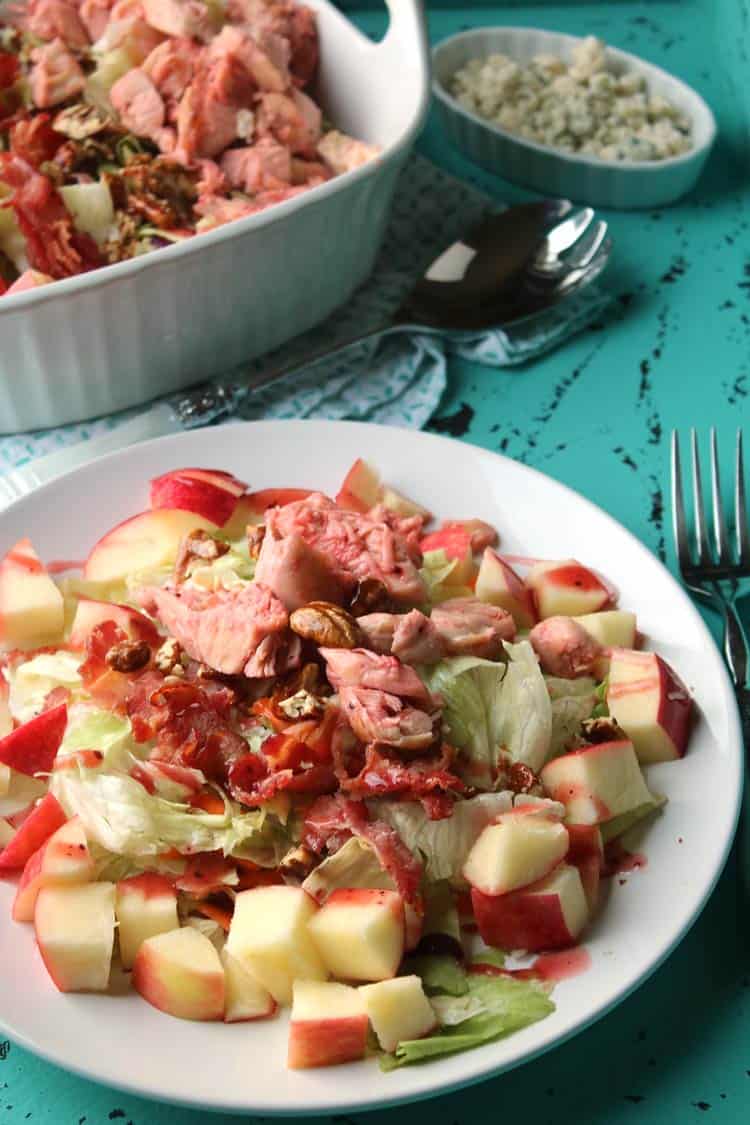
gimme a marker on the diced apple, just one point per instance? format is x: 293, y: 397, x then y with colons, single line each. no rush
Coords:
x: 206, y: 494
x: 590, y: 872
x: 144, y: 542
x: 31, y: 606
x: 585, y: 843
x: 360, y: 488
x: 329, y: 1025
x: 400, y: 504
x: 180, y: 973
x: 145, y: 905
x: 398, y: 1009
x: 498, y: 583
x: 549, y: 914
x: 44, y: 819
x: 611, y: 627
x: 269, y: 934
x: 90, y: 613
x: 7, y: 832
x: 63, y: 860
x: 521, y: 847
x: 75, y: 932
x: 649, y: 701
x: 359, y: 933
x: 597, y: 783
x: 31, y: 748
x: 482, y: 534
x: 29, y: 279
x: 245, y: 996
x: 566, y: 589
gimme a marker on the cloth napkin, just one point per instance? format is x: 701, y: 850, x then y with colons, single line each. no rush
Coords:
x: 398, y: 380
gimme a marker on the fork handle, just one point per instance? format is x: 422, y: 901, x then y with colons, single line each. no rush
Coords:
x: 735, y: 647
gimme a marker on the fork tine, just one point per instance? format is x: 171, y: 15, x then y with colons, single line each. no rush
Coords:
x: 721, y: 538
x: 740, y: 507
x: 701, y: 534
x: 682, y: 545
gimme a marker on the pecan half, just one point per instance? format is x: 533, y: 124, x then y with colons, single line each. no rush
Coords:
x: 197, y: 545
x: 371, y: 596
x: 256, y: 533
x: 128, y: 656
x: 604, y: 729
x: 80, y: 121
x: 298, y: 863
x: 326, y: 624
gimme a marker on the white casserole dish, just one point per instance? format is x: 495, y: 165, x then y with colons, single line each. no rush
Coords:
x: 586, y: 179
x: 127, y: 333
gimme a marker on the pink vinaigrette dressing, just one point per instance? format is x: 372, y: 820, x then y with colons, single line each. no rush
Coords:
x: 560, y: 965
x: 618, y: 860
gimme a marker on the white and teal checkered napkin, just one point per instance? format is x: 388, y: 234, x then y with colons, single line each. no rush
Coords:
x: 398, y: 381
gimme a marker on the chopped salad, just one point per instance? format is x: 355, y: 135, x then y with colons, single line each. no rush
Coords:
x: 127, y: 125
x: 275, y: 749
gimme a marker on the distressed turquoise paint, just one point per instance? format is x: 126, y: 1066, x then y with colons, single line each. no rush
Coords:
x: 679, y: 1049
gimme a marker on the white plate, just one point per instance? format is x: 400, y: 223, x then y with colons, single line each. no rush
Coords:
x: 123, y: 1042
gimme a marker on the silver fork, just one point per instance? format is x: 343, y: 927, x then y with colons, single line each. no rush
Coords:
x: 706, y: 570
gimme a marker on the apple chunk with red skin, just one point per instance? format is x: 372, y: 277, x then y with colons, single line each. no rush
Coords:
x: 649, y: 701
x: 270, y: 935
x: 360, y: 933
x: 611, y: 627
x: 180, y: 973
x: 206, y: 492
x: 519, y: 848
x: 245, y: 997
x: 75, y: 932
x: 64, y: 859
x: 549, y: 914
x: 42, y: 821
x: 145, y: 905
x: 398, y: 1010
x: 329, y: 1025
x: 567, y: 589
x: 360, y: 487
x: 90, y: 613
x: 597, y: 783
x: 145, y: 542
x: 498, y: 583
x: 32, y: 747
x: 31, y: 606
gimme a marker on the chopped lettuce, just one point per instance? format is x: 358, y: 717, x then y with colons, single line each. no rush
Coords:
x: 92, y: 729
x: 355, y: 864
x: 572, y: 702
x: 489, y: 956
x: 443, y: 844
x: 439, y: 574
x: 231, y: 569
x: 489, y: 706
x: 440, y: 973
x: 122, y: 817
x: 33, y: 680
x: 492, y: 1007
x: 440, y: 911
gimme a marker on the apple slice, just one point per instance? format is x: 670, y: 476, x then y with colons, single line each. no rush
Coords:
x: 521, y: 847
x: 90, y: 613
x: 611, y: 627
x: 328, y: 1026
x: 359, y: 933
x: 29, y: 279
x: 180, y: 973
x: 145, y: 905
x: 597, y: 783
x: 398, y: 1009
x: 591, y: 876
x: 269, y: 934
x: 549, y: 914
x: 62, y: 860
x: 75, y: 932
x: 7, y: 832
x: 396, y: 502
x: 45, y: 818
x: 649, y: 701
x: 144, y: 542
x: 585, y: 843
x: 207, y: 493
x: 498, y: 583
x: 566, y: 589
x: 455, y: 543
x: 360, y: 488
x: 245, y: 997
x: 31, y: 606
x: 31, y: 748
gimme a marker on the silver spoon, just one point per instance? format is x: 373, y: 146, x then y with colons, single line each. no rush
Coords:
x: 511, y: 267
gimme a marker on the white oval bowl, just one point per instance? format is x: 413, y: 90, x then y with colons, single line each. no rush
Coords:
x: 587, y: 179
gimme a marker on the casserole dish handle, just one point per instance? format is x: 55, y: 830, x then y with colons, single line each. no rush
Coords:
x: 407, y: 28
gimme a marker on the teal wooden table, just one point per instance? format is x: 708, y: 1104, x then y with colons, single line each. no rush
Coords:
x: 596, y: 414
